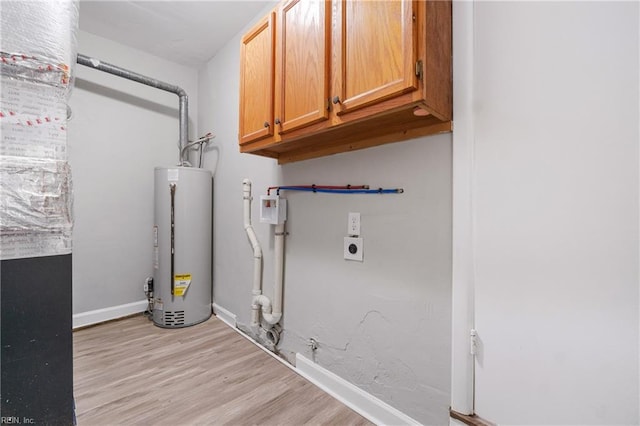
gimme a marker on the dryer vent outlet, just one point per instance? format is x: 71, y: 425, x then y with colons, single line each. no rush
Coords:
x: 353, y: 248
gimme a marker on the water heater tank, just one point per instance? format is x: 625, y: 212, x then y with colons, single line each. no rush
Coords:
x: 182, y: 246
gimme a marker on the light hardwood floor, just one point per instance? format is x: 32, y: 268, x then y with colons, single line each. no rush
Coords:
x: 131, y: 372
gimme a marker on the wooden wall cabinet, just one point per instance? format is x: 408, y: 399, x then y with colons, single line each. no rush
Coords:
x: 257, y: 82
x: 323, y: 77
x: 302, y: 73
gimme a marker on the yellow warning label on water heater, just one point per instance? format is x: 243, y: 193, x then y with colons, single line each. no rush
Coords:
x: 181, y: 284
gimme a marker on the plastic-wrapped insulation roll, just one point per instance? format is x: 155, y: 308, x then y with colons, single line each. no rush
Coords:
x: 39, y: 40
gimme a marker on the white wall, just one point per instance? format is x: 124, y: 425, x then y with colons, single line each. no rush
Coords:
x: 555, y: 217
x: 119, y: 132
x: 384, y: 324
x: 556, y: 212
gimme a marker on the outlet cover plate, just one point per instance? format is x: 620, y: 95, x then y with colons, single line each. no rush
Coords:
x: 353, y: 226
x: 353, y: 248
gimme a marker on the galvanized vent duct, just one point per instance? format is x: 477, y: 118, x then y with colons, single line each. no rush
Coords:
x: 129, y: 75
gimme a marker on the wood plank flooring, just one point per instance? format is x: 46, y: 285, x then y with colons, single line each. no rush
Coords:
x: 131, y: 372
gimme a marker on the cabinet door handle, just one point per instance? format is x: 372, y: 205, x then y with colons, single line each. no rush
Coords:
x: 266, y: 124
x: 277, y: 121
x: 336, y: 99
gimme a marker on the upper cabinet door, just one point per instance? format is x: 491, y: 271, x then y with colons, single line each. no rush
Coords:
x: 375, y: 51
x: 257, y: 81
x: 302, y: 67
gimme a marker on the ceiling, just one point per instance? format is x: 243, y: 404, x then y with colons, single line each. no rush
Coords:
x: 186, y: 32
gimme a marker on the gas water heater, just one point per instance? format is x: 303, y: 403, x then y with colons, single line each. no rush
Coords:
x: 182, y: 246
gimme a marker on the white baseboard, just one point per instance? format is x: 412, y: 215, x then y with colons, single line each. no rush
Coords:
x: 375, y: 410
x: 224, y: 315
x: 370, y: 407
x: 84, y: 319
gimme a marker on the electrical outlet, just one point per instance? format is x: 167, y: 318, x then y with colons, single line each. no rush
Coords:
x: 353, y: 226
x: 353, y: 248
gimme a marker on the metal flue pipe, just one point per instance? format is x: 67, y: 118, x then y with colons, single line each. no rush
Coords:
x: 129, y: 75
